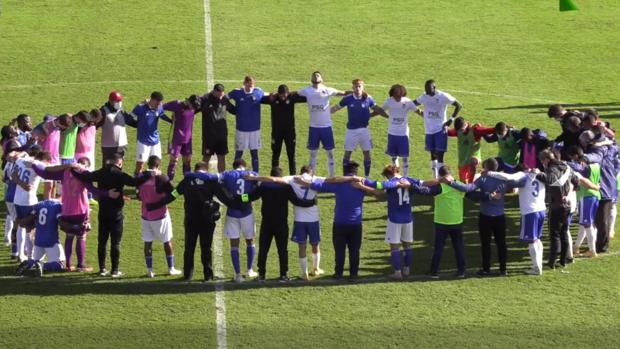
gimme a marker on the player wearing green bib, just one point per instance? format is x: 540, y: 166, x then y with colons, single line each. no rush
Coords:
x: 508, y: 146
x: 588, y: 200
x: 468, y: 146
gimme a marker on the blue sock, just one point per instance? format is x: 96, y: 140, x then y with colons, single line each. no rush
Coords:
x: 254, y: 154
x: 407, y: 256
x: 366, y: 168
x: 238, y: 154
x: 170, y: 260
x: 149, y: 262
x: 250, y: 251
x: 234, y: 255
x: 395, y: 259
x: 14, y: 249
x: 53, y: 266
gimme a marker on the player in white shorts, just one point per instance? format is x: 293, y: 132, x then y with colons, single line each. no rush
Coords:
x: 398, y: 107
x: 320, y: 131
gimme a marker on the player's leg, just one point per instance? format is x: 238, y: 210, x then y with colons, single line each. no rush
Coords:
x: 313, y: 146
x: 191, y: 237
x: 406, y: 238
x: 346, y: 158
x: 276, y: 148
x: 289, y: 141
x: 232, y: 229
x: 206, y: 240
x: 355, y: 244
x: 440, y: 240
x: 264, y: 244
x: 485, y: 232
x: 116, y: 234
x: 69, y: 250
x: 603, y: 225
x: 148, y: 236
x: 9, y: 223
x: 590, y: 207
x: 221, y: 163
x: 350, y: 143
x: 55, y: 259
x: 314, y: 234
x: 102, y: 240
x: 281, y: 237
x: 165, y: 235
x: 365, y: 142
x: 300, y: 236
x: 499, y: 234
x: 142, y: 151
x: 240, y: 144
x: 612, y: 219
x: 458, y: 244
x: 327, y: 139
x: 248, y: 228
x: 186, y: 153
x: 563, y: 224
x: 555, y: 224
x: 254, y: 145
x: 392, y: 237
x: 339, y: 240
x: 174, y: 158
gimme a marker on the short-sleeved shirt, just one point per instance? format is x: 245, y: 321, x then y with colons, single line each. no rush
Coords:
x: 148, y: 118
x: 26, y: 174
x: 183, y: 121
x: 248, y: 108
x: 398, y: 112
x: 305, y: 214
x: 358, y: 110
x: 349, y: 201
x: 318, y: 104
x: 46, y: 223
x: 435, y: 110
x: 233, y: 182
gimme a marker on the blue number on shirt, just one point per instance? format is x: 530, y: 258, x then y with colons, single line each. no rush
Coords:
x: 241, y: 186
x: 42, y: 216
x: 536, y: 188
x: 306, y: 193
x: 25, y: 176
x: 403, y: 196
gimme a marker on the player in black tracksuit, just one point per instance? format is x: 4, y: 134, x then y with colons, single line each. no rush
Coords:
x: 274, y: 222
x: 283, y: 124
x: 111, y: 176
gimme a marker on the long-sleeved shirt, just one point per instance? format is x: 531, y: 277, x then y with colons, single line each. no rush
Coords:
x: 196, y: 192
x: 349, y: 201
x: 283, y: 112
x: 486, y: 186
x: 508, y: 146
x: 183, y: 121
x: 607, y: 157
x: 214, y: 114
x: 274, y: 210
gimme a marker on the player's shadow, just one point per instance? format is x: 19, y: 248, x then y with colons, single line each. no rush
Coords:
x: 606, y: 110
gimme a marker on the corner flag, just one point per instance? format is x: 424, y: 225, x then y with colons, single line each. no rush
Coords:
x: 567, y: 5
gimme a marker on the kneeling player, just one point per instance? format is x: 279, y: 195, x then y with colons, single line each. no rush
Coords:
x: 45, y: 216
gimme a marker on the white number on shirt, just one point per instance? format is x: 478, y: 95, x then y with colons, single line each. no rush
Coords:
x: 42, y: 216
x: 241, y: 184
x: 403, y: 196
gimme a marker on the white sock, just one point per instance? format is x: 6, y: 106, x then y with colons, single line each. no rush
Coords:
x: 29, y: 246
x: 434, y: 168
x: 531, y: 248
x: 8, y: 227
x: 316, y: 260
x: 580, y: 237
x: 303, y: 265
x: 539, y: 255
x: 21, y: 242
x: 405, y: 166
x: 569, y: 253
x: 313, y: 155
x: 612, y: 221
x: 395, y: 160
x: 591, y: 239
x: 330, y: 162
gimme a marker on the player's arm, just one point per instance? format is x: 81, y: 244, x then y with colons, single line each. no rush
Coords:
x: 338, y: 106
x: 297, y: 201
x: 457, y: 109
x: 586, y: 183
x: 55, y: 174
x: 166, y: 118
x: 377, y: 110
x: 491, y: 138
x: 343, y: 179
x: 131, y: 119
x: 418, y: 110
x: 480, y: 131
x: 266, y: 179
x: 205, y: 176
x: 366, y: 189
x: 162, y: 185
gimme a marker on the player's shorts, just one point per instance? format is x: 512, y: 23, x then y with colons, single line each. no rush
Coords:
x: 247, y: 140
x: 77, y: 221
x: 54, y: 254
x: 532, y: 226
x: 467, y: 173
x: 234, y: 227
x: 304, y: 231
x: 160, y: 229
x: 398, y: 232
x: 587, y: 210
x: 23, y: 211
x: 184, y: 149
x: 436, y: 142
x: 397, y: 146
x: 67, y: 161
x: 321, y: 135
x: 143, y: 151
x: 357, y: 136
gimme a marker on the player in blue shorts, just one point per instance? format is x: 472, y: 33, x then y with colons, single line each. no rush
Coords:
x: 45, y: 217
x: 435, y: 104
x: 358, y: 107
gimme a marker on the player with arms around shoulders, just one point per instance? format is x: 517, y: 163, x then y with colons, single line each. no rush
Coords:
x: 320, y: 131
x: 182, y: 124
x: 435, y: 104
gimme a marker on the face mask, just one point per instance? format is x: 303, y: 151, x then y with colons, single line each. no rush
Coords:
x: 81, y: 124
x: 117, y: 105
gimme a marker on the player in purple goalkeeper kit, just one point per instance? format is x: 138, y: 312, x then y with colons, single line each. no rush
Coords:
x: 247, y: 135
x: 182, y: 123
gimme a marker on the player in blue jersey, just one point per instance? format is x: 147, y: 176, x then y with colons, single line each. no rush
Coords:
x: 45, y: 216
x: 247, y: 135
x: 146, y: 116
x: 238, y: 220
x: 399, y: 191
x: 358, y: 107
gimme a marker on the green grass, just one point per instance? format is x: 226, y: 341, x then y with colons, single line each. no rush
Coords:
x: 503, y: 60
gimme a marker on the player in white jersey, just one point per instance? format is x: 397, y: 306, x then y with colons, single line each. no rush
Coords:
x: 27, y: 183
x: 320, y: 130
x: 532, y: 204
x: 435, y: 104
x: 398, y: 107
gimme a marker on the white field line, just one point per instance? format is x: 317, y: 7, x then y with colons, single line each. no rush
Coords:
x: 218, y: 262
x: 210, y: 81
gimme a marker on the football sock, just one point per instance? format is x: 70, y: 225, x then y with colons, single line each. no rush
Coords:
x: 539, y: 255
x: 171, y: 168
x: 186, y: 168
x: 612, y: 220
x: 367, y: 168
x: 591, y: 236
x: 250, y: 252
x: 434, y: 168
x: 405, y: 166
x: 313, y: 157
x: 149, y: 262
x: 581, y: 235
x: 395, y: 160
x: 303, y: 265
x: 68, y: 250
x: 238, y: 154
x: 395, y: 259
x: 407, y: 257
x: 234, y: 256
x: 316, y: 260
x: 330, y: 162
x: 531, y: 248
x: 254, y: 155
x: 80, y: 252
x: 345, y: 162
x: 8, y: 227
x: 170, y: 261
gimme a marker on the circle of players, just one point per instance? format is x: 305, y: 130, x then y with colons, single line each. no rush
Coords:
x: 577, y: 169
